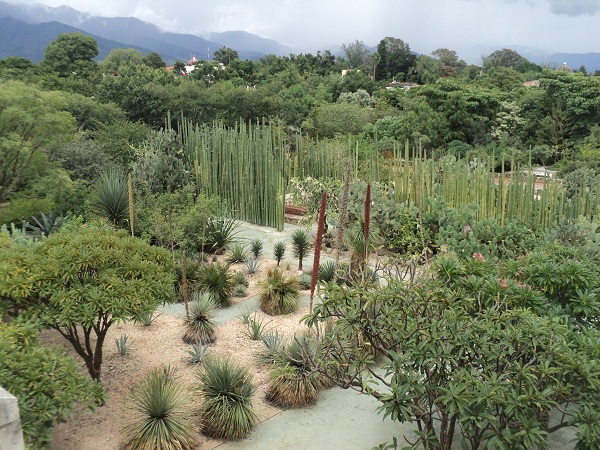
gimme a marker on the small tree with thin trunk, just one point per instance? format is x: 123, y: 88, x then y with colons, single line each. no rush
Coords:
x: 82, y: 280
x: 301, y: 245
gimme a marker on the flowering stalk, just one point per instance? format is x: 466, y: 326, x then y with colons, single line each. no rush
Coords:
x: 367, y: 222
x: 343, y: 219
x: 318, y: 242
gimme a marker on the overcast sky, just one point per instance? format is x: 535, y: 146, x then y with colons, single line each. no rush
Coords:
x: 471, y: 27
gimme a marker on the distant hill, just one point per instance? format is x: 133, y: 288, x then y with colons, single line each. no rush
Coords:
x: 29, y: 40
x: 132, y: 32
x: 247, y: 43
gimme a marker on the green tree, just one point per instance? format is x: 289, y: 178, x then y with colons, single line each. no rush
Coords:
x: 154, y: 60
x: 466, y: 356
x: 345, y: 118
x: 120, y: 56
x: 225, y: 55
x: 357, y: 54
x: 46, y: 382
x: 399, y: 58
x: 503, y: 58
x: 82, y: 280
x: 31, y: 121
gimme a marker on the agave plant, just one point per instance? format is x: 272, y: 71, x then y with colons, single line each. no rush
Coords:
x: 327, y: 271
x: 46, y: 224
x: 237, y: 253
x: 301, y: 245
x: 252, y: 265
x: 217, y: 280
x: 161, y: 414
x: 227, y: 390
x: 292, y: 383
x: 111, y: 198
x: 278, y: 293
x: 199, y: 327
x: 240, y: 279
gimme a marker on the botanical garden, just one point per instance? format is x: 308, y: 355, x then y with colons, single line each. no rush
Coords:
x: 183, y: 259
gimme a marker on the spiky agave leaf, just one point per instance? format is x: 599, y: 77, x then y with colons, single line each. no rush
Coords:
x: 161, y: 414
x: 217, y: 280
x: 111, y: 198
x: 227, y: 390
x: 199, y: 327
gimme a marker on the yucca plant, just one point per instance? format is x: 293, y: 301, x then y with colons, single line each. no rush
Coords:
x: 292, y: 382
x: 256, y: 247
x: 237, y: 253
x: 161, y: 414
x: 278, y: 293
x: 240, y: 291
x: 256, y: 328
x: 226, y: 391
x: 217, y: 280
x: 327, y: 271
x: 240, y: 279
x: 111, y: 197
x: 301, y: 245
x: 278, y: 251
x: 199, y: 326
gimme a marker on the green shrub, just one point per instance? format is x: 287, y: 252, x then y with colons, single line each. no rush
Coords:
x: 161, y: 414
x: 219, y: 234
x: 327, y: 271
x: 256, y: 247
x: 226, y: 390
x: 278, y: 293
x: 240, y: 278
x: 237, y: 253
x: 217, y: 280
x: 300, y: 245
x: 199, y: 327
x: 278, y: 252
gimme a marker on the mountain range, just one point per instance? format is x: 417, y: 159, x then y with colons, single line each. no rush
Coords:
x: 26, y: 30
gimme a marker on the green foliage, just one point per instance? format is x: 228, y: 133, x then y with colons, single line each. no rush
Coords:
x: 278, y: 252
x: 93, y: 278
x: 197, y: 354
x: 161, y: 414
x: 122, y: 345
x: 237, y: 253
x: 199, y: 326
x: 300, y: 245
x: 278, y: 293
x: 240, y: 279
x: 344, y: 118
x: 305, y: 280
x: 226, y: 390
x: 256, y: 327
x: 219, y: 234
x: 46, y: 383
x: 327, y: 271
x: 46, y: 224
x: 20, y: 209
x: 216, y: 280
x: 256, y: 247
x: 111, y: 197
x: 252, y: 265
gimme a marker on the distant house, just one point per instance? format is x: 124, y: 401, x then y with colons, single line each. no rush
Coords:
x: 401, y: 85
x: 532, y: 83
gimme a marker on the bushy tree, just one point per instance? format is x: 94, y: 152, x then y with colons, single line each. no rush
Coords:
x: 82, y: 280
x: 46, y: 382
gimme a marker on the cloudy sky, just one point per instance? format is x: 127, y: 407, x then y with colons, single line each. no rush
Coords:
x: 471, y: 27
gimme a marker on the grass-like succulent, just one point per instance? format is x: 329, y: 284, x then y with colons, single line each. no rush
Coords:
x: 219, y: 234
x: 227, y: 391
x: 274, y: 343
x: 305, y: 280
x: 257, y: 327
x: 240, y: 291
x: 240, y: 278
x: 279, y: 293
x: 199, y: 327
x: 327, y: 271
x: 292, y: 383
x: 149, y: 318
x: 161, y: 414
x: 237, y: 253
x: 256, y: 248
x: 278, y: 251
x: 217, y: 280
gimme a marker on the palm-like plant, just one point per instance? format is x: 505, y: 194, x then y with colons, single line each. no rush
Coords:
x: 199, y: 327
x: 111, y: 198
x: 219, y: 234
x: 301, y: 245
x: 217, y: 280
x: 278, y: 251
x: 256, y: 247
x: 292, y: 383
x: 227, y: 390
x: 278, y: 293
x: 161, y: 414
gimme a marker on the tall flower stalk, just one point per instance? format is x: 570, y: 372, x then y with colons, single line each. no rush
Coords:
x: 318, y: 243
x: 367, y: 221
x: 343, y: 219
